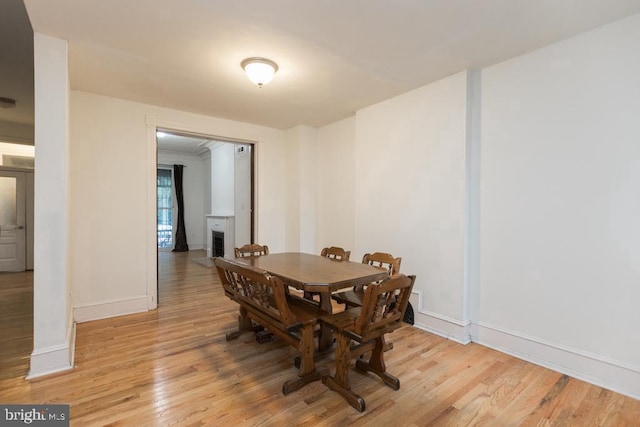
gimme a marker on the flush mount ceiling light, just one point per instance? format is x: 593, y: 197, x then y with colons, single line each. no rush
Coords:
x: 259, y: 70
x: 7, y: 102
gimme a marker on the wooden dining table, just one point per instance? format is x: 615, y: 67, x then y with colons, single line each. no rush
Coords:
x: 317, y: 274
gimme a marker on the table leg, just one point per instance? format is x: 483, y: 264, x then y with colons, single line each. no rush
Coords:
x: 326, y: 335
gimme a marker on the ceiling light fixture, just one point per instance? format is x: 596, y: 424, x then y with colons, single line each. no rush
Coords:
x: 7, y: 102
x: 160, y: 134
x: 259, y: 70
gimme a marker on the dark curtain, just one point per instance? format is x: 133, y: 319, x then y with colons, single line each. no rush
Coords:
x: 181, y: 233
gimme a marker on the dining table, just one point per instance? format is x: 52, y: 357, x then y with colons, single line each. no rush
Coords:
x: 316, y: 274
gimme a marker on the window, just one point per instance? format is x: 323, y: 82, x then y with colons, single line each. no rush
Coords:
x: 165, y: 208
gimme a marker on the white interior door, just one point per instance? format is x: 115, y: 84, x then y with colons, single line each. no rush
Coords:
x: 13, y: 254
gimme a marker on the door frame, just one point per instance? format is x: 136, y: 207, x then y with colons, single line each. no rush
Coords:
x: 204, y: 131
x: 28, y: 208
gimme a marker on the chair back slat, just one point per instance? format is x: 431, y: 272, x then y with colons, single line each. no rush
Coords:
x: 384, y: 305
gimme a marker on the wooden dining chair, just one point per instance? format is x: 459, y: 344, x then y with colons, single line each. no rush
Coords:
x: 251, y: 250
x: 336, y: 253
x: 382, y: 260
x: 361, y: 330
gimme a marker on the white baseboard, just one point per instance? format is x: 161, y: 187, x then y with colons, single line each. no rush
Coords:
x: 601, y: 371
x: 49, y: 360
x: 437, y: 324
x: 113, y: 308
x: 621, y: 377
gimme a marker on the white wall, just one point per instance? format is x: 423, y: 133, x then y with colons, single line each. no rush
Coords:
x: 291, y: 166
x: 113, y: 197
x: 193, y: 182
x: 222, y: 178
x: 301, y: 210
x: 53, y: 327
x: 410, y: 193
x: 336, y: 185
x: 560, y: 206
x: 307, y: 188
x: 230, y: 182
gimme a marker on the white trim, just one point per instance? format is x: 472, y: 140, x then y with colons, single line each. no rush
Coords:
x: 152, y: 124
x: 438, y: 324
x: 449, y: 329
x: 58, y: 358
x: 112, y: 308
x: 256, y: 191
x: 152, y: 232
x: 471, y: 254
x: 602, y: 371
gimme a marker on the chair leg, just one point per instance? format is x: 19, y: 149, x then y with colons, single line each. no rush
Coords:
x: 340, y: 381
x: 377, y: 366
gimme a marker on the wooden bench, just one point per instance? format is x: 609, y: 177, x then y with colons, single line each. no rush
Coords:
x: 263, y: 299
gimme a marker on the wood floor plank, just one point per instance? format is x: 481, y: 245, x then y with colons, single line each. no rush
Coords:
x: 173, y: 366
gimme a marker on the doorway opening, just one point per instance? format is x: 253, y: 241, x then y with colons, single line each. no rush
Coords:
x: 217, y: 179
x: 16, y: 206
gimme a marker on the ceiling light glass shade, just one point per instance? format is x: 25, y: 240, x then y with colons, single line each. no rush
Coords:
x: 259, y: 70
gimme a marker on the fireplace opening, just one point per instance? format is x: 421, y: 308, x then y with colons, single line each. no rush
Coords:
x: 217, y: 245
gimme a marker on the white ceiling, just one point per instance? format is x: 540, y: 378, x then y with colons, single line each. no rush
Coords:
x: 171, y: 141
x: 335, y: 56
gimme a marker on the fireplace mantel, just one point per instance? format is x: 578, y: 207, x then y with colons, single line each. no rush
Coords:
x: 222, y: 224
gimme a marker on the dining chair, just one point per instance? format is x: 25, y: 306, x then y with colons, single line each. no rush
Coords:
x: 361, y: 330
x: 334, y: 252
x: 382, y: 260
x: 251, y: 250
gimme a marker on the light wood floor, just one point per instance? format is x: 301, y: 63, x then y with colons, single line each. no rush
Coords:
x: 172, y: 366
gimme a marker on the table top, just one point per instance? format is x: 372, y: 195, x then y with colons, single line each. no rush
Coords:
x: 314, y: 273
